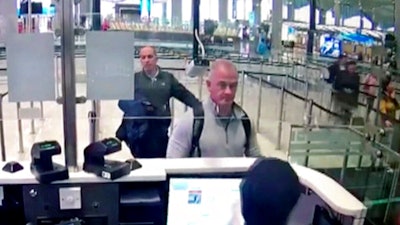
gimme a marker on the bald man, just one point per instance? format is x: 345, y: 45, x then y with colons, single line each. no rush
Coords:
x: 223, y: 133
x: 154, y: 88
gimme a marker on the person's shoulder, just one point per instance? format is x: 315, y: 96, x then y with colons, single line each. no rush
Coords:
x: 239, y: 111
x: 165, y: 73
x: 184, y: 122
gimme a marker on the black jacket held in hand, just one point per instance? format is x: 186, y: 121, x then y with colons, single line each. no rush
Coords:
x: 160, y: 89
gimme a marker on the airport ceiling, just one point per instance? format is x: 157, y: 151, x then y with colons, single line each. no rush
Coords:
x: 380, y: 11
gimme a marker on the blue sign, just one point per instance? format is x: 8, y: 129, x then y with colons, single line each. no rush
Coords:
x: 252, y: 18
x: 291, y: 30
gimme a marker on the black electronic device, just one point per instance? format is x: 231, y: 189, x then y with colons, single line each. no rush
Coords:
x: 96, y: 163
x: 12, y: 167
x: 134, y: 164
x: 42, y: 166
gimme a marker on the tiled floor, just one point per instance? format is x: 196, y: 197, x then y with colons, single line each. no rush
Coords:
x: 51, y: 127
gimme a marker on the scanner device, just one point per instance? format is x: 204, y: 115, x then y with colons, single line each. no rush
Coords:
x: 96, y: 163
x: 42, y: 166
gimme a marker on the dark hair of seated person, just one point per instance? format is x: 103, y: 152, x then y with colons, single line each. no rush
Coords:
x: 269, y: 192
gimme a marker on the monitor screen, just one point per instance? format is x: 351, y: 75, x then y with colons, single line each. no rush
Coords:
x: 195, y: 201
x: 330, y: 46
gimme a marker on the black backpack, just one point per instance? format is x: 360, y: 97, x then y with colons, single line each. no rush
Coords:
x: 198, y: 123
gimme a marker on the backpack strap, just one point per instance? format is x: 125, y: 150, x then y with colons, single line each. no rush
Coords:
x: 198, y: 123
x: 247, y: 129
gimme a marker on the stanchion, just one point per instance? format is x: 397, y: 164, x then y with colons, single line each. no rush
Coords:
x: 201, y: 80
x: 259, y: 103
x: 41, y: 110
x: 94, y: 121
x: 281, y: 105
x: 32, y: 121
x: 242, y: 89
x: 20, y: 134
x: 172, y: 105
x: 2, y: 141
x: 307, y: 125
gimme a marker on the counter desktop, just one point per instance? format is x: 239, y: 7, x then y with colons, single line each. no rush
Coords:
x: 191, y: 191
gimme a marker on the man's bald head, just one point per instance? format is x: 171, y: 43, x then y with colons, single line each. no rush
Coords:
x: 222, y: 83
x: 148, y: 49
x: 148, y: 59
x: 220, y: 66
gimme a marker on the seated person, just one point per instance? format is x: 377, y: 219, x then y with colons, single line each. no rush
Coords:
x: 225, y: 131
x: 269, y: 192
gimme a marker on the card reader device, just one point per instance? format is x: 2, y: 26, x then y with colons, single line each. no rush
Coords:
x: 96, y: 163
x: 42, y: 166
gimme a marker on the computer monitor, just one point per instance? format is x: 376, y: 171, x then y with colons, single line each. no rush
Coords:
x: 195, y: 201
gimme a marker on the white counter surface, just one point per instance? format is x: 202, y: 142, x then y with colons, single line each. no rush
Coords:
x: 157, y: 170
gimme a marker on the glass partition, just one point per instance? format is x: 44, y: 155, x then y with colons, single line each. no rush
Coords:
x: 350, y: 155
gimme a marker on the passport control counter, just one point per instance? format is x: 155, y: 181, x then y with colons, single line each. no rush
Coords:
x: 164, y: 191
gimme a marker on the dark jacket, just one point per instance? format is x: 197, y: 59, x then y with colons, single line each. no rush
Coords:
x: 134, y: 125
x: 147, y: 136
x: 334, y: 70
x: 158, y: 92
x: 347, y: 88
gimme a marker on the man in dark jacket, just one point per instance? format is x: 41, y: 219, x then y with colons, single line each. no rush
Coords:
x: 338, y: 67
x: 154, y: 88
x: 346, y: 91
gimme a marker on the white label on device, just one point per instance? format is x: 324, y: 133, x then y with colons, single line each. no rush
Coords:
x: 106, y: 175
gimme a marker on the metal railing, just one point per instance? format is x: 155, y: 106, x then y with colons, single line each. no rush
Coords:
x: 2, y: 141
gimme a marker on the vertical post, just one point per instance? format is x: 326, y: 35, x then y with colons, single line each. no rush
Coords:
x: 242, y: 89
x: 311, y: 30
x: 2, y: 141
x: 307, y: 86
x: 322, y: 16
x: 196, y: 27
x: 392, y: 193
x: 29, y: 19
x: 201, y: 80
x: 361, y: 18
x: 20, y: 134
x: 96, y: 17
x: 276, y: 28
x: 290, y: 11
x: 77, y: 9
x: 281, y: 106
x: 68, y: 83
x: 397, y: 30
x: 308, y: 116
x: 41, y: 107
x: 172, y: 104
x: 337, y: 10
x: 307, y: 124
x: 259, y: 102
x: 222, y: 11
x: 32, y: 122
x: 176, y: 15
x: 164, y: 13
x: 94, y: 119
x: 257, y: 12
